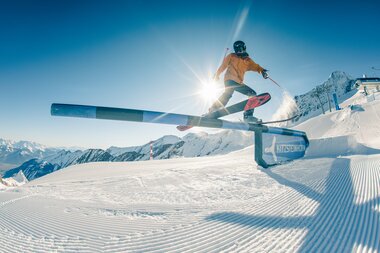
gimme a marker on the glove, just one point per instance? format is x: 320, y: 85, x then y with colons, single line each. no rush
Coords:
x: 264, y: 73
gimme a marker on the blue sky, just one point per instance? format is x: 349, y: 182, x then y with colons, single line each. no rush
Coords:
x: 150, y: 54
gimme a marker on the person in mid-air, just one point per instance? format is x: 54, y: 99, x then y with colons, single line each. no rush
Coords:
x: 237, y: 64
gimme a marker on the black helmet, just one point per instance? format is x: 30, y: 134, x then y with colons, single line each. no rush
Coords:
x: 239, y: 47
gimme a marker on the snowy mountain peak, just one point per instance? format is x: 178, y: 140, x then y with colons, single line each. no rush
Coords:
x: 17, y: 152
x: 320, y: 99
x: 339, y: 75
x: 167, y: 139
x: 25, y: 145
x: 191, y: 136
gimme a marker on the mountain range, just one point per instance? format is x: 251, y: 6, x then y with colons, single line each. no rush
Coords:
x: 191, y: 145
x: 14, y: 153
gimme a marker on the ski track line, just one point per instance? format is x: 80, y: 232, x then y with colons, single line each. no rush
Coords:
x: 356, y: 218
x: 239, y: 232
x: 214, y: 227
x: 175, y: 236
x: 20, y: 238
x: 53, y: 224
x: 255, y: 237
x: 44, y: 230
x: 363, y: 217
x: 34, y: 244
x: 261, y: 210
x: 329, y: 217
x: 371, y: 222
x: 346, y: 226
x: 350, y: 229
x: 184, y: 237
x: 377, y: 205
x: 43, y: 245
x: 281, y: 236
x: 302, y: 211
x: 94, y: 220
x: 346, y: 200
x: 265, y: 211
x: 331, y: 212
x: 11, y: 201
x: 334, y: 196
x: 68, y: 229
x: 373, y: 194
x: 364, y: 220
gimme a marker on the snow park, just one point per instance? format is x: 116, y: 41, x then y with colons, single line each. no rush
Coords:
x: 189, y: 126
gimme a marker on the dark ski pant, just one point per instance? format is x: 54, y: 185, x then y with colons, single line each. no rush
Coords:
x: 229, y: 87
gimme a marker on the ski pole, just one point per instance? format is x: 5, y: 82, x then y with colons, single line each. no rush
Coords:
x: 225, y: 53
x: 274, y: 82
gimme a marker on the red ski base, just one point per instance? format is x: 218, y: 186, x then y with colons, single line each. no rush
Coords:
x: 257, y: 101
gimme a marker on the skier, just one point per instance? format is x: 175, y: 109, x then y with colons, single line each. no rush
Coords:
x: 237, y: 64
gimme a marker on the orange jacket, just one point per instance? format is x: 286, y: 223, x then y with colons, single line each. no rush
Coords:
x: 236, y: 67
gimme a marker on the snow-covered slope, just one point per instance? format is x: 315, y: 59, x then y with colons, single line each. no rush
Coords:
x: 204, y: 204
x: 192, y: 145
x: 361, y: 121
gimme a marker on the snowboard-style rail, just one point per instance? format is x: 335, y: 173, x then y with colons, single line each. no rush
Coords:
x: 292, y: 145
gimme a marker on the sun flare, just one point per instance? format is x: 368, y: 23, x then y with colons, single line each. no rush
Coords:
x: 209, y: 90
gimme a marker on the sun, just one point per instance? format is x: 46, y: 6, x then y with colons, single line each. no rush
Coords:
x: 209, y: 90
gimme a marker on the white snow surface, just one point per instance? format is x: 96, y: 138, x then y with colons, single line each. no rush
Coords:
x: 361, y: 122
x: 326, y: 202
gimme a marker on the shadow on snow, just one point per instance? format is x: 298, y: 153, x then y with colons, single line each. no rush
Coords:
x: 338, y: 224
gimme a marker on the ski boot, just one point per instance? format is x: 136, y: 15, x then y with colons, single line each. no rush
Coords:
x: 250, y: 119
x: 210, y: 111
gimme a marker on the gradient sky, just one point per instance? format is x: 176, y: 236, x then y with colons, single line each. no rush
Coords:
x: 150, y: 54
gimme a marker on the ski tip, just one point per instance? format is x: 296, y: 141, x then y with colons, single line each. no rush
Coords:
x: 183, y: 128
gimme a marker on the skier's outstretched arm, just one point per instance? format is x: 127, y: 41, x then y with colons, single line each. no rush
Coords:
x: 222, y: 67
x: 253, y: 66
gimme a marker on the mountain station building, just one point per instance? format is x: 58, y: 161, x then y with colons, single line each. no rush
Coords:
x: 368, y: 84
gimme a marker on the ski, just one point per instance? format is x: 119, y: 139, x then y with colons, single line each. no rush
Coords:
x: 248, y: 104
